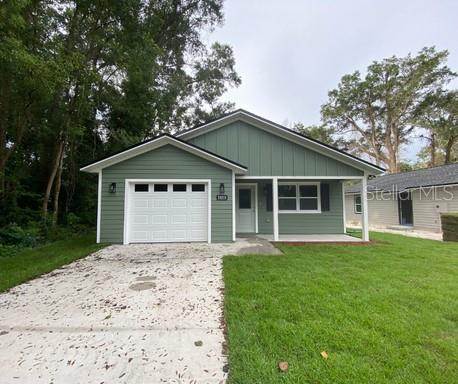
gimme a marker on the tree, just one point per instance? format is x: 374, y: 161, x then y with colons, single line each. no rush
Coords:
x: 439, y: 117
x: 379, y: 110
x: 322, y: 133
x: 81, y: 78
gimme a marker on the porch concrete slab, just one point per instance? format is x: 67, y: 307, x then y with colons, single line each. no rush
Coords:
x: 313, y: 238
x: 149, y: 313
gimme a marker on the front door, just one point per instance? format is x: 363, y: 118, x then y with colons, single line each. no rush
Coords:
x: 405, y: 209
x: 245, y: 218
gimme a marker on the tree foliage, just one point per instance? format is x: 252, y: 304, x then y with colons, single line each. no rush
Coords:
x: 379, y: 110
x: 439, y: 117
x: 81, y: 78
x: 327, y: 135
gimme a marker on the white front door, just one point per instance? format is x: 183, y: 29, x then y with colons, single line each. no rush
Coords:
x: 245, y: 219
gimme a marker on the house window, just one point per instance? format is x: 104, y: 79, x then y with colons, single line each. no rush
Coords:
x: 357, y: 203
x: 299, y: 197
x: 179, y: 187
x: 141, y: 187
x: 198, y: 188
x: 160, y: 187
x: 244, y: 198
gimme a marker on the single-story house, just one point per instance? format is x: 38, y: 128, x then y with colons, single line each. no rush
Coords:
x: 237, y: 174
x: 408, y: 199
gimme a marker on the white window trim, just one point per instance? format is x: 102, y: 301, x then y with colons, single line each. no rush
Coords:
x: 297, y: 197
x: 355, y: 205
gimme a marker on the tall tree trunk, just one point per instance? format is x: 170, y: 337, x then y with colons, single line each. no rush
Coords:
x: 52, y: 176
x: 448, y: 150
x: 432, y: 149
x: 57, y: 187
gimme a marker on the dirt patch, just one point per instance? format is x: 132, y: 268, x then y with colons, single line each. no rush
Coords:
x: 142, y: 286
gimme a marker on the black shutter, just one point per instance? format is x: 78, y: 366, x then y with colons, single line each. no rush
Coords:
x: 324, y: 194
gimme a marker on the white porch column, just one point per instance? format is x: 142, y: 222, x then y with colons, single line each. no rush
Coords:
x: 233, y: 206
x: 344, y: 212
x: 365, y: 213
x: 275, y: 206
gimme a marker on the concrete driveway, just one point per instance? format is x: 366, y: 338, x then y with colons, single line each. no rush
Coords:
x: 126, y: 314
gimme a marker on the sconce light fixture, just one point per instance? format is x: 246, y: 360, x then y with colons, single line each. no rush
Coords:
x: 112, y: 188
x: 221, y: 189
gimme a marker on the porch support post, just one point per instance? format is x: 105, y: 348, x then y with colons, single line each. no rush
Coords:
x: 275, y: 206
x: 344, y: 212
x: 233, y: 206
x: 365, y: 213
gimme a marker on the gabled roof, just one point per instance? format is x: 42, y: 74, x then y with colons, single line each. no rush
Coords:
x: 286, y: 133
x: 398, y: 182
x: 158, y: 142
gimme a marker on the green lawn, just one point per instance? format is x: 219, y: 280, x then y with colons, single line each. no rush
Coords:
x: 33, y: 262
x: 384, y: 313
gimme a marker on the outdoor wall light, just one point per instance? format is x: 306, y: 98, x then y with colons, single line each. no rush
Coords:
x: 221, y: 189
x: 112, y: 188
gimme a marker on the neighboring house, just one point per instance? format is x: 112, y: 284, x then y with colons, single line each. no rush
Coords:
x: 408, y: 199
x: 237, y: 174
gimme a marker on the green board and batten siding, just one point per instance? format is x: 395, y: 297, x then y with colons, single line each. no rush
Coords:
x: 266, y: 154
x: 326, y: 222
x: 167, y: 162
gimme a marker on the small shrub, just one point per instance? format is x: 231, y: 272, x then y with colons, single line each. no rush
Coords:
x: 13, y: 234
x: 449, y: 223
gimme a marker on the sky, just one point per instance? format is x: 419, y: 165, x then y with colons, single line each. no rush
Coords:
x: 290, y: 53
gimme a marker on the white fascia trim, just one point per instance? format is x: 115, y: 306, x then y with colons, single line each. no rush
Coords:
x: 157, y: 143
x: 99, y: 206
x: 262, y: 124
x: 300, y: 177
x: 127, y: 202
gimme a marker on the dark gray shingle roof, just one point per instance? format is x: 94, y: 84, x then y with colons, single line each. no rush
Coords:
x: 441, y: 175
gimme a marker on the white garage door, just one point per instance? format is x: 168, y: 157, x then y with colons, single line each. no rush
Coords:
x: 167, y: 212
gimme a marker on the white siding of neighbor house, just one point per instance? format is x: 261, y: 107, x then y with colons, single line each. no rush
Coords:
x: 426, y: 209
x: 381, y: 212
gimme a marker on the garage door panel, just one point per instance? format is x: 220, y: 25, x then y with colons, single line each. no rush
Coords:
x: 177, y: 235
x: 159, y: 219
x: 198, y: 203
x: 141, y: 203
x: 140, y: 219
x: 159, y: 236
x: 168, y: 216
x: 198, y: 218
x: 140, y: 236
x: 178, y: 203
x: 159, y: 202
x: 178, y: 219
x: 198, y: 235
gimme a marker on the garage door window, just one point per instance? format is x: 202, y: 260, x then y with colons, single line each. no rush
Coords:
x: 141, y: 187
x: 160, y: 187
x: 198, y: 187
x: 179, y: 187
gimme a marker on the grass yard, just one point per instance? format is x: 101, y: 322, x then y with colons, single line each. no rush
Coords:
x: 384, y: 313
x: 33, y: 262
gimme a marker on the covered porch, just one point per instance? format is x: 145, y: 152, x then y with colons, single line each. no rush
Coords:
x: 295, y: 208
